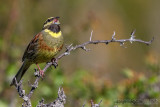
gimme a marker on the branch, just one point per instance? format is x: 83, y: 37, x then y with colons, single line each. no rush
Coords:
x: 69, y: 49
x: 59, y: 102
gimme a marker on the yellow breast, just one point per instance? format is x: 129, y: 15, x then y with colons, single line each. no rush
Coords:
x: 53, y: 34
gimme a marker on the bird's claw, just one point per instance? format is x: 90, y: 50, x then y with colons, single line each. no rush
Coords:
x: 41, y: 72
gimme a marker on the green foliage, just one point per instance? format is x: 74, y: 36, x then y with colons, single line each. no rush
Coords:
x: 81, y: 87
x: 3, y: 104
x: 128, y: 73
x: 10, y: 71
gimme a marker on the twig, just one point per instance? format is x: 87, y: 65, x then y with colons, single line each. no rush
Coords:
x: 59, y: 102
x: 21, y: 92
x: 95, y: 105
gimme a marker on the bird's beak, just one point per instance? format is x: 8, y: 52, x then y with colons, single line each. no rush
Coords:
x: 56, y: 21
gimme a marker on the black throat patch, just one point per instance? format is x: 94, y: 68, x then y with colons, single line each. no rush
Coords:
x: 55, y: 28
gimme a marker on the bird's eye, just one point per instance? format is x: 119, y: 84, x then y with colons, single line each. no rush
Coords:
x: 48, y: 20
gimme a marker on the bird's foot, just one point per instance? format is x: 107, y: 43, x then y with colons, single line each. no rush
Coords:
x: 41, y: 72
x: 54, y: 62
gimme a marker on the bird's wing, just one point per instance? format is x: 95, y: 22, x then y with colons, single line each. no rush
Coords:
x: 32, y: 47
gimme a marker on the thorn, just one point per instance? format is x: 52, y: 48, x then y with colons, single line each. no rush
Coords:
x: 133, y: 32
x: 121, y: 43
x: 84, y: 104
x: 99, y: 103
x: 152, y: 39
x: 68, y: 47
x: 114, y: 33
x: 91, y: 36
x: 132, y: 36
x: 113, y: 36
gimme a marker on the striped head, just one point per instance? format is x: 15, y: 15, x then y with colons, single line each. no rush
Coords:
x: 51, y: 21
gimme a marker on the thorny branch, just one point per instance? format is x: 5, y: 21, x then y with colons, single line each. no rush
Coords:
x: 68, y: 50
x: 59, y: 102
x: 83, y: 46
x: 21, y: 92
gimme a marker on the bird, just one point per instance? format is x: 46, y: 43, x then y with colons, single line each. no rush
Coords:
x: 42, y: 48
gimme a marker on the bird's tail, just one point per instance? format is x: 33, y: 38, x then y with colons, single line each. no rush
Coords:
x: 26, y: 64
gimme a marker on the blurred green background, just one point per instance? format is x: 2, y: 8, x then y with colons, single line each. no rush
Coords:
x: 108, y: 72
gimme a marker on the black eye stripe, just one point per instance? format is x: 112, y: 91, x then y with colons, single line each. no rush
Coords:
x: 50, y: 19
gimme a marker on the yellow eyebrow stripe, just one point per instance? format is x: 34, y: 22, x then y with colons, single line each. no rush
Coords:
x: 55, y: 35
